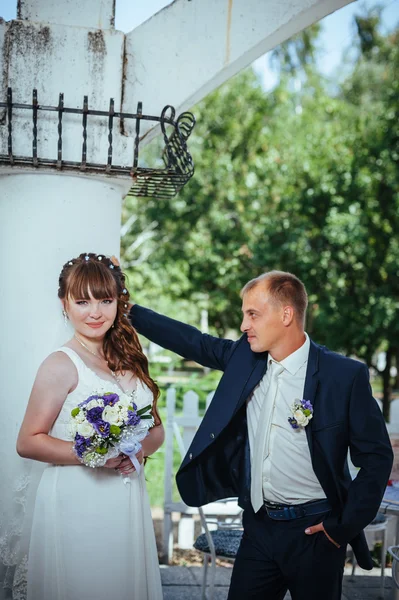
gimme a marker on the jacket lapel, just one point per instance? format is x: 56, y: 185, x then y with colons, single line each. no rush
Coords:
x: 258, y: 371
x: 311, y: 385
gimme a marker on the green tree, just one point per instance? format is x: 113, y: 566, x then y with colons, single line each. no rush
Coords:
x: 304, y: 181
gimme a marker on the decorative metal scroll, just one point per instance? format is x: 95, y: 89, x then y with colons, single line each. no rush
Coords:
x: 151, y: 182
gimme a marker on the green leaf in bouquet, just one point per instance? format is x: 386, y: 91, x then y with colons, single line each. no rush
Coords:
x: 75, y: 411
x: 115, y: 430
x: 101, y: 450
x: 146, y: 417
x: 143, y: 410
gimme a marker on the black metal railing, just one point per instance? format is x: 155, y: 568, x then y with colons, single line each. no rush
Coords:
x: 146, y: 181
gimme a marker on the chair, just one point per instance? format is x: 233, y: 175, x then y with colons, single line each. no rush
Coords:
x: 380, y: 523
x: 181, y: 429
x: 220, y: 543
x: 394, y: 552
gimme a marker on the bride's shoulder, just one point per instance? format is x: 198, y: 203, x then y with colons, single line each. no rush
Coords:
x: 56, y: 377
x: 58, y: 364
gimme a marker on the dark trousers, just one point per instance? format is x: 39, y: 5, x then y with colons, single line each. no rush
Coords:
x: 276, y: 556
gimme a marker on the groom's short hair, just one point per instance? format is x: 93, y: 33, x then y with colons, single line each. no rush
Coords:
x: 283, y: 288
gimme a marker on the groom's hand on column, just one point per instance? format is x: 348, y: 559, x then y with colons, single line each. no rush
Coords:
x: 316, y: 529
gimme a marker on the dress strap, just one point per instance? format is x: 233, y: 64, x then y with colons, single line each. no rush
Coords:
x: 75, y: 358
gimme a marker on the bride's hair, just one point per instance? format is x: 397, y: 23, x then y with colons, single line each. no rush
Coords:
x: 103, y: 278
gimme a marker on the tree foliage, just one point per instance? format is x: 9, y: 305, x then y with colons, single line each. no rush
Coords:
x: 305, y: 181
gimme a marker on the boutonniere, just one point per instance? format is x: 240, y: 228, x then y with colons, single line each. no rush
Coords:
x: 302, y: 411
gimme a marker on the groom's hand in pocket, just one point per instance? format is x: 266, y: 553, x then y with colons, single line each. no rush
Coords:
x: 320, y: 527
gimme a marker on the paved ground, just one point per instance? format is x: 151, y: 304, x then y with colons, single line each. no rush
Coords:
x: 184, y: 583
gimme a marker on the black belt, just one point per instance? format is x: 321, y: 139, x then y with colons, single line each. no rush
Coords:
x: 286, y: 512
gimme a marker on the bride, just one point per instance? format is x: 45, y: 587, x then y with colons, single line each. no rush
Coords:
x: 92, y: 533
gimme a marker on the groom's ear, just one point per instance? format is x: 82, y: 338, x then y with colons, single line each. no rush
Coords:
x: 288, y: 315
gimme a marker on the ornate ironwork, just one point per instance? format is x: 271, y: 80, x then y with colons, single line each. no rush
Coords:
x: 146, y: 181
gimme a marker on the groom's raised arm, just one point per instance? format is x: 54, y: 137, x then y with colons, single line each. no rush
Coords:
x: 185, y: 340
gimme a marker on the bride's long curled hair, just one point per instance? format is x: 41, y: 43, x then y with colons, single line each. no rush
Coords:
x: 103, y: 278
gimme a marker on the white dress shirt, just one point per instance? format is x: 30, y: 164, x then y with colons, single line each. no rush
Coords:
x: 287, y: 474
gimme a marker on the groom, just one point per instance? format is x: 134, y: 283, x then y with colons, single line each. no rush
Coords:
x: 287, y: 465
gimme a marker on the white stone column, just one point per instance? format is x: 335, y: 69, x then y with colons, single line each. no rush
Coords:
x: 45, y: 219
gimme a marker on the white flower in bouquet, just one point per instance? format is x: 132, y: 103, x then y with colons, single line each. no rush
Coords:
x: 85, y: 429
x: 125, y: 400
x: 124, y: 413
x: 112, y: 415
x: 80, y: 417
x: 94, y: 404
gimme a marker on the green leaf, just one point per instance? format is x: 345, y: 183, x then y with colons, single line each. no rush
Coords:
x: 101, y: 450
x: 143, y: 410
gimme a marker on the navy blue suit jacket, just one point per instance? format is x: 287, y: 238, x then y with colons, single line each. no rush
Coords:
x: 217, y: 464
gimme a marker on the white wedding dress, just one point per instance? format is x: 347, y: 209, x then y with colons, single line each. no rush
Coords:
x: 92, y: 534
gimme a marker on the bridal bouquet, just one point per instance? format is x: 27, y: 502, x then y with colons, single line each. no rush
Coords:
x: 106, y: 425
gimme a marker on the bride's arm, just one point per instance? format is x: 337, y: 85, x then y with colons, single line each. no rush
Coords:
x: 56, y: 377
x: 154, y: 440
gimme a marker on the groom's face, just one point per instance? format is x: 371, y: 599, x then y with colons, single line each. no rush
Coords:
x: 262, y: 320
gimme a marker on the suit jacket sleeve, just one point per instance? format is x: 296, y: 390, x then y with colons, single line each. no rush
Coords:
x: 371, y: 451
x: 185, y: 340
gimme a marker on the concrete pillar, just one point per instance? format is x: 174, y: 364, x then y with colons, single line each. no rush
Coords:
x: 98, y: 14
x: 48, y: 217
x: 45, y: 219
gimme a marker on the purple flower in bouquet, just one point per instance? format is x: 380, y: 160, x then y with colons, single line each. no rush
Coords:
x: 81, y: 444
x: 133, y: 417
x: 94, y: 414
x: 102, y: 427
x: 89, y: 399
x: 110, y: 399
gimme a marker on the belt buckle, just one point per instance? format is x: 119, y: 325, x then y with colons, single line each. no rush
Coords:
x: 299, y: 512
x: 293, y: 512
x: 287, y: 512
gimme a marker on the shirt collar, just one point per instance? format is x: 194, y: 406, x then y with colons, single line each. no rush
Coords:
x: 297, y: 359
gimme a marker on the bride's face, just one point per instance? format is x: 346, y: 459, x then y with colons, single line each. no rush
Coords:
x: 91, y: 317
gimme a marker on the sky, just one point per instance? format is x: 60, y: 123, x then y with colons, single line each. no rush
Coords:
x: 337, y: 29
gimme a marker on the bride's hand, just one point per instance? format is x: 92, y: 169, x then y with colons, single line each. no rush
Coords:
x: 114, y: 463
x: 126, y: 466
